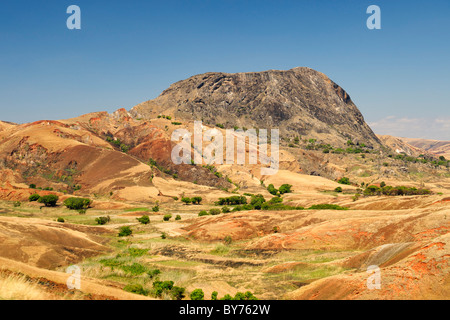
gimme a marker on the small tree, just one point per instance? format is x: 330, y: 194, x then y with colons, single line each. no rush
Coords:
x: 125, y: 231
x: 272, y: 189
x: 144, y: 219
x: 186, y: 200
x: 77, y: 203
x: 34, y: 197
x: 32, y: 186
x: 214, y: 212
x: 102, y: 220
x: 285, y: 188
x: 177, y: 293
x: 197, y: 294
x: 167, y: 217
x: 214, y: 295
x: 49, y: 200
x: 196, y: 200
x: 203, y: 213
x: 344, y: 180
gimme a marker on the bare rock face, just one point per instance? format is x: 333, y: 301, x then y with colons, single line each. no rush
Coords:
x: 300, y: 102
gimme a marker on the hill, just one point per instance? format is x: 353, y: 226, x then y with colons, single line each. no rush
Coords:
x: 301, y: 102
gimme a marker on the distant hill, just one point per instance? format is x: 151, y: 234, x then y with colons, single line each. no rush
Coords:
x: 300, y: 102
x: 439, y: 148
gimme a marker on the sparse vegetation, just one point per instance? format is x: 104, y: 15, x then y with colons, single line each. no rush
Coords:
x: 373, y: 190
x: 49, y: 200
x: 344, y: 180
x: 197, y: 294
x: 145, y: 219
x: 125, y: 231
x: 327, y: 207
x: 102, y: 220
x: 77, y: 203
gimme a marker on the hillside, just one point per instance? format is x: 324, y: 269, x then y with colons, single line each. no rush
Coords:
x: 313, y: 242
x: 439, y: 148
x: 301, y: 102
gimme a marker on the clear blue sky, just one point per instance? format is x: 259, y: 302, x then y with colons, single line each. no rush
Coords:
x: 129, y: 51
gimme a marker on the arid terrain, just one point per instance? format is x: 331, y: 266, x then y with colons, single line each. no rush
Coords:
x: 355, y: 200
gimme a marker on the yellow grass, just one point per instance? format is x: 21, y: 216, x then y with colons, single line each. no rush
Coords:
x: 16, y: 287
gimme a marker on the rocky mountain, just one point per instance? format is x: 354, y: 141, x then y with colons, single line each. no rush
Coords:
x: 301, y: 102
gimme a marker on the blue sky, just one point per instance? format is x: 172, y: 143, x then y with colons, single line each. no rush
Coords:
x: 128, y: 52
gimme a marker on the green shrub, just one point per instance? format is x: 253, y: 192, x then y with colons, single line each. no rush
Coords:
x: 214, y: 295
x: 17, y: 204
x: 275, y: 200
x: 225, y: 209
x: 153, y: 273
x: 214, y: 212
x: 49, y: 200
x: 203, y: 213
x: 257, y: 201
x: 136, y: 288
x: 285, y: 188
x: 272, y: 189
x: 134, y: 269
x: 32, y: 186
x: 81, y: 211
x: 197, y: 294
x: 34, y: 197
x: 160, y: 287
x: 102, y: 220
x: 233, y: 200
x: 144, y: 219
x: 196, y: 200
x: 327, y: 207
x: 167, y: 217
x: 125, y: 231
x: 186, y: 200
x: 177, y: 293
x: 77, y: 203
x: 178, y: 217
x: 60, y: 219
x: 227, y: 240
x: 344, y: 180
x: 163, y: 235
x: 338, y: 189
x: 155, y: 208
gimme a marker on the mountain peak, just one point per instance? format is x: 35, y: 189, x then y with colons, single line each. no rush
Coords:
x: 301, y: 102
